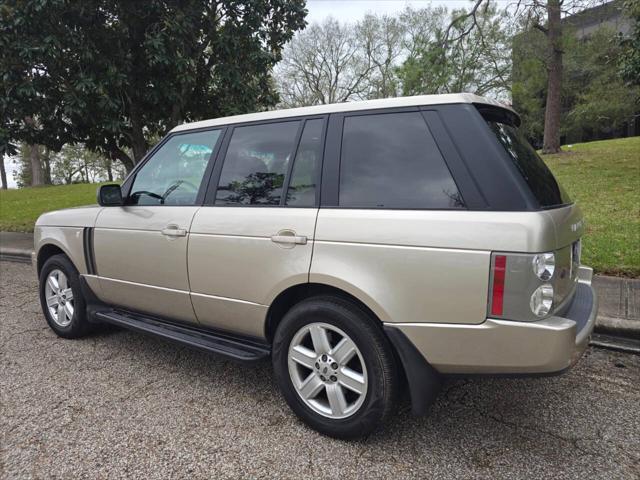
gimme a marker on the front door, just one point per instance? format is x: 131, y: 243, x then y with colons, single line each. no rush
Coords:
x: 254, y: 236
x: 141, y: 248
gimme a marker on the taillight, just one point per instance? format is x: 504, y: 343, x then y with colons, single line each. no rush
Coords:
x: 497, y: 297
x: 519, y: 292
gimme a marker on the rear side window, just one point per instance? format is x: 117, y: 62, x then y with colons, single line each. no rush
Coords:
x: 535, y: 172
x: 256, y: 163
x: 302, y: 187
x: 391, y: 160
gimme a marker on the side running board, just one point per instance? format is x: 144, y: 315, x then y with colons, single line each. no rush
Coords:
x: 235, y: 347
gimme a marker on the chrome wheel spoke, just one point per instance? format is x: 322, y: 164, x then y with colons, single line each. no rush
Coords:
x: 68, y: 310
x: 52, y: 301
x: 344, y: 351
x: 337, y: 402
x: 62, y: 281
x: 352, y: 380
x: 303, y: 356
x: 320, y: 339
x: 53, y: 283
x: 61, y: 314
x: 68, y: 294
x: 311, y: 386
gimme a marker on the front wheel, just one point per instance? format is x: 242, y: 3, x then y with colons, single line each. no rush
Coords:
x: 335, y: 367
x: 61, y: 298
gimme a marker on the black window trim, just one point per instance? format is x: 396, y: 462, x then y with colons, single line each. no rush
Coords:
x: 330, y: 188
x: 212, y: 186
x: 202, y: 188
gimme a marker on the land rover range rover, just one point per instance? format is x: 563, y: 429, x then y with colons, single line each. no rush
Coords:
x: 362, y: 247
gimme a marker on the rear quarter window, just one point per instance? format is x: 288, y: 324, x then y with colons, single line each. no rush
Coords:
x: 391, y: 160
x: 544, y: 186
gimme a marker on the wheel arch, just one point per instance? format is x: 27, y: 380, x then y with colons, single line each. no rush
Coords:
x: 417, y: 374
x: 297, y: 293
x: 47, y: 250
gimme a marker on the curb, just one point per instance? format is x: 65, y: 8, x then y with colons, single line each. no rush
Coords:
x: 15, y: 254
x: 618, y: 326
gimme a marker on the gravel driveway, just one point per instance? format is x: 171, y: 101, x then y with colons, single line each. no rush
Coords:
x: 119, y: 404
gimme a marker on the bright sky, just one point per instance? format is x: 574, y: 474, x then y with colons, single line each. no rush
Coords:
x: 353, y: 10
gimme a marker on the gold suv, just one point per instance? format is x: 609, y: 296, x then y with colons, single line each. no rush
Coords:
x: 362, y: 247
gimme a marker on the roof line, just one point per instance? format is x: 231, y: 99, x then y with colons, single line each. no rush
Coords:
x: 414, y: 101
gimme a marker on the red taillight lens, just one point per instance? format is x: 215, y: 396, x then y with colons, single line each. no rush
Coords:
x: 497, y: 296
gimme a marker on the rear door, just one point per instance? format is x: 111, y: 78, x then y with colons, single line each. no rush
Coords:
x: 254, y: 236
x: 391, y: 211
x: 141, y: 248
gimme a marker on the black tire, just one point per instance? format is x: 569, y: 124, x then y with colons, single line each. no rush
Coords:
x: 366, y: 333
x: 79, y: 325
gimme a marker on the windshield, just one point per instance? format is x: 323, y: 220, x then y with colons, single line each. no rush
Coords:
x: 541, y: 181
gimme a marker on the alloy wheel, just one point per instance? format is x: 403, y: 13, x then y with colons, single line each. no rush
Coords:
x: 59, y: 297
x: 327, y: 370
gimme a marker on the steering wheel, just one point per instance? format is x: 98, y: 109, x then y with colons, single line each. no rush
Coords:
x: 174, y: 186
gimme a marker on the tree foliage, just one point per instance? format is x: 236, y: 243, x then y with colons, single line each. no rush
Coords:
x: 461, y: 52
x: 385, y: 56
x: 596, y: 101
x: 630, y: 54
x: 114, y: 73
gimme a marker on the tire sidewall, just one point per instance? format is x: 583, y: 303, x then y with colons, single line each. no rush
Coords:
x: 373, y: 409
x: 78, y: 325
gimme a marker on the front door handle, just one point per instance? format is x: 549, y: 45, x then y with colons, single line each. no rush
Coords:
x: 174, y: 231
x: 289, y: 237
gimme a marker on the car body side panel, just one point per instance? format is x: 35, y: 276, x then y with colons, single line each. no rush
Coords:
x: 236, y: 271
x: 139, y: 267
x: 70, y: 217
x: 420, y: 265
x: 408, y: 266
x: 67, y: 239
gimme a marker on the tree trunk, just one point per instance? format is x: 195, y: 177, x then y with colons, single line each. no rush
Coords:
x: 138, y: 144
x: 37, y: 174
x: 551, y: 140
x: 119, y: 154
x: 3, y: 172
x: 109, y: 170
x: 47, y: 167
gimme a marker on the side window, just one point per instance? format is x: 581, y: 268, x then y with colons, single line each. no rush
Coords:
x: 256, y: 164
x: 391, y: 160
x: 173, y: 175
x: 302, y: 186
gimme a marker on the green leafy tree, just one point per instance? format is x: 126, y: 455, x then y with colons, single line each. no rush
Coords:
x: 630, y: 54
x: 596, y: 101
x: 462, y: 51
x: 113, y: 74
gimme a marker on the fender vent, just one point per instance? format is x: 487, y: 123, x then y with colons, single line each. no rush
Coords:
x: 89, y: 258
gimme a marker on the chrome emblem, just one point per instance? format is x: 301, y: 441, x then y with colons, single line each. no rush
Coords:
x: 577, y: 226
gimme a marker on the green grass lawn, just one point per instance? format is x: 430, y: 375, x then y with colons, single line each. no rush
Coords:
x: 20, y: 208
x: 604, y: 179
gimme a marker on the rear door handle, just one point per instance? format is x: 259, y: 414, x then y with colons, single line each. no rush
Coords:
x: 288, y: 237
x: 174, y: 231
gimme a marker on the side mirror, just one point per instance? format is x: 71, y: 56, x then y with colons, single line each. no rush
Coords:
x: 110, y: 195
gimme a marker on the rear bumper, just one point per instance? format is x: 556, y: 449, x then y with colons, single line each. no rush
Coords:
x: 496, y: 346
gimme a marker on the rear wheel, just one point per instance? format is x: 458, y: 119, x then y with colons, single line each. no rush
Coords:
x: 61, y: 298
x: 335, y: 367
